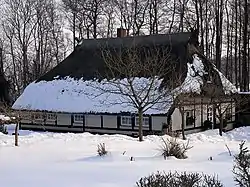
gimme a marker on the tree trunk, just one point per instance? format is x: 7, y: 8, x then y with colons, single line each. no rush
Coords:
x: 183, y: 127
x: 236, y: 47
x: 218, y: 39
x: 173, y: 17
x: 140, y: 113
x: 221, y: 125
x: 1, y: 61
x: 74, y: 30
x: 245, y: 39
x: 182, y: 124
x: 25, y: 65
x: 16, y: 134
x: 239, y: 45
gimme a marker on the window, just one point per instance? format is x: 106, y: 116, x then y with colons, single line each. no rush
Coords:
x: 210, y: 79
x: 126, y: 120
x: 26, y: 116
x: 229, y: 113
x: 51, y: 116
x: 78, y: 117
x: 190, y: 119
x: 145, y: 121
x: 210, y: 113
x: 38, y: 116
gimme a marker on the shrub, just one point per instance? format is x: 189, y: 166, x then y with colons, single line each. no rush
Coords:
x: 171, y: 147
x: 101, y: 149
x: 207, y: 125
x: 174, y: 134
x: 241, y: 169
x: 3, y: 129
x: 179, y: 180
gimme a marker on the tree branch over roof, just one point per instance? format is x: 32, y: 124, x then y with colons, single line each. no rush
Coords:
x: 135, y: 76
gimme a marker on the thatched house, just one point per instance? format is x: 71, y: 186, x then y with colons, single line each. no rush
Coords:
x: 56, y: 101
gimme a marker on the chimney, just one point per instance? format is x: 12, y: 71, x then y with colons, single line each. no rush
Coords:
x: 122, y: 32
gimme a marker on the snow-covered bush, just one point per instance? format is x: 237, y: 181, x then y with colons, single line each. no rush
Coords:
x: 241, y: 168
x: 174, y: 179
x: 101, y: 149
x: 172, y: 147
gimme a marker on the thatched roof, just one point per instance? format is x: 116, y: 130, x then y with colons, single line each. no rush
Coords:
x: 86, y: 61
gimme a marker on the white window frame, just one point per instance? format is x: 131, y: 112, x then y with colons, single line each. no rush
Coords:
x: 144, y: 119
x: 51, y: 116
x: 78, y: 118
x: 229, y: 111
x: 27, y: 116
x: 210, y: 113
x: 38, y: 116
x: 126, y: 121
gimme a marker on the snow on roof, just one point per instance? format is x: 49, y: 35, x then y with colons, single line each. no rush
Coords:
x: 4, y: 118
x: 245, y: 93
x: 228, y: 87
x: 70, y: 95
x: 192, y: 82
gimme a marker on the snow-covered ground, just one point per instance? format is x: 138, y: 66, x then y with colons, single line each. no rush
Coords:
x: 70, y: 160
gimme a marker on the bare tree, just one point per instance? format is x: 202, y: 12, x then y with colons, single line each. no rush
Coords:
x: 72, y: 7
x: 180, y: 102
x: 139, y: 17
x: 226, y: 108
x: 110, y: 18
x: 19, y: 18
x: 47, y: 38
x: 181, y: 8
x: 124, y: 67
x: 124, y: 12
x: 10, y: 117
x: 218, y: 22
x: 223, y: 111
x: 33, y: 40
x: 245, y: 61
x: 159, y: 12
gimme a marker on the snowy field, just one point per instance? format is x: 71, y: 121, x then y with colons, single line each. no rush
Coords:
x: 69, y: 160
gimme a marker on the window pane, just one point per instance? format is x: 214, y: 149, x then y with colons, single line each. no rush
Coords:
x: 145, y: 121
x: 126, y: 120
x: 190, y: 120
x: 78, y: 117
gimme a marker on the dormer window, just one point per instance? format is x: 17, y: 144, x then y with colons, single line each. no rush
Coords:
x: 210, y: 78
